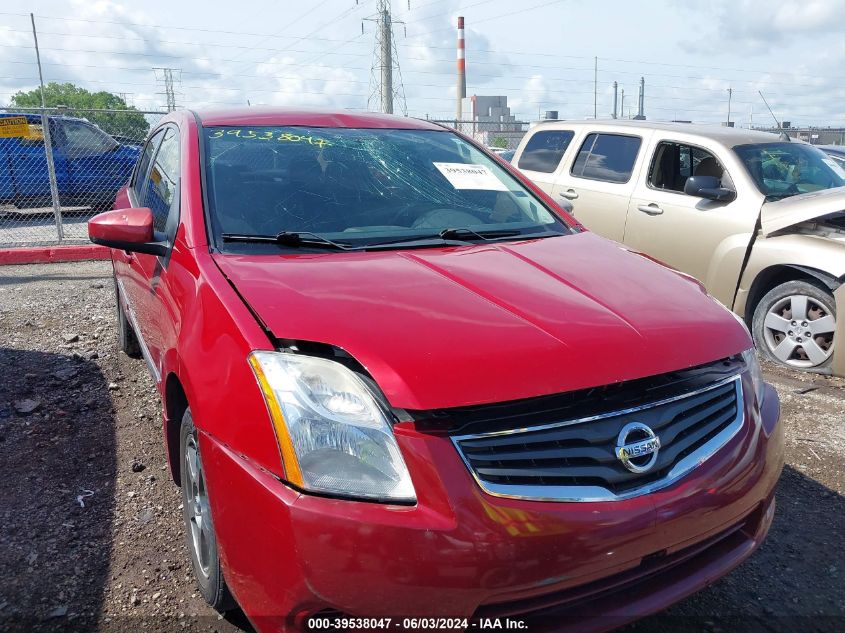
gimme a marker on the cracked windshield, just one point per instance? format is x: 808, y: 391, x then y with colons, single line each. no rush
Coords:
x: 362, y: 187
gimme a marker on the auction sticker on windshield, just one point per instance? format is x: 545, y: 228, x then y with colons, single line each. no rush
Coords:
x: 470, y: 176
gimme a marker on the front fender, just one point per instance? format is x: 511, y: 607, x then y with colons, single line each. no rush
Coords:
x: 816, y: 252
x: 212, y: 334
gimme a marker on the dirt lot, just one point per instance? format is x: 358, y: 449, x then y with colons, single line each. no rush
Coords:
x: 90, y: 532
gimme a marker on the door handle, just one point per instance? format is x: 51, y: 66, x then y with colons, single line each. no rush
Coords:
x: 650, y: 209
x: 569, y: 194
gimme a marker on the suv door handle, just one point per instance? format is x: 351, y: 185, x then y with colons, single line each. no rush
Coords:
x: 569, y: 194
x: 650, y: 209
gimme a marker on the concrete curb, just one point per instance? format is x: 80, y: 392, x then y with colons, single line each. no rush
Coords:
x: 52, y: 254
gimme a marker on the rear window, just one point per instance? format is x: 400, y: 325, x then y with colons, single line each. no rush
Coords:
x: 607, y: 157
x: 544, y: 150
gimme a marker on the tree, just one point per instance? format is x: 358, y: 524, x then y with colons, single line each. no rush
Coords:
x: 500, y: 141
x: 129, y: 123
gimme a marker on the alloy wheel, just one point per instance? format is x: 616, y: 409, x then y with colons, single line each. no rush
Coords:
x: 798, y: 330
x: 196, y: 499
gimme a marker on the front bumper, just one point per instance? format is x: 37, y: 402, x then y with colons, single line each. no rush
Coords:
x: 461, y: 553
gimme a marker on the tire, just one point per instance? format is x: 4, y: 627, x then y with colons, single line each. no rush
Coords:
x: 127, y: 341
x: 199, y: 527
x: 783, y: 318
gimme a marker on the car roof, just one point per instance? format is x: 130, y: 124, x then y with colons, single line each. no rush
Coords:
x: 34, y: 116
x: 311, y: 118
x: 728, y: 136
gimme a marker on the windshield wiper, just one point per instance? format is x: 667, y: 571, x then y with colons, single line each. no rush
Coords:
x: 467, y: 234
x: 289, y: 238
x: 457, y: 237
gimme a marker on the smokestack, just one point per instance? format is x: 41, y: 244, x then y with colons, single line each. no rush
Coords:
x: 615, y: 97
x: 462, y: 70
x: 641, y: 107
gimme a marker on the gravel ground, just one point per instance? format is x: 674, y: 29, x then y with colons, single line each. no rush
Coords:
x: 90, y: 525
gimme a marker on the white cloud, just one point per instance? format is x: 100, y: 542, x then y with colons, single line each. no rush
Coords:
x: 694, y: 53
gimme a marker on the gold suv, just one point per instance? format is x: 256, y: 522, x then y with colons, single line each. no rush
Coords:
x: 759, y: 219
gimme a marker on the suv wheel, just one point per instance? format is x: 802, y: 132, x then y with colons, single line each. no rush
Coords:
x: 794, y: 325
x: 127, y: 341
x: 202, y: 542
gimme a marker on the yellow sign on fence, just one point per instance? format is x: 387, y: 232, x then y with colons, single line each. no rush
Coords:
x: 13, y: 126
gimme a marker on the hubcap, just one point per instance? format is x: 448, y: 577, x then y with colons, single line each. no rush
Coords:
x: 196, y: 505
x: 798, y: 330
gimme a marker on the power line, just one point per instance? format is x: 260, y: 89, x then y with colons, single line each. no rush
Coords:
x: 504, y: 52
x: 479, y: 62
x: 331, y: 21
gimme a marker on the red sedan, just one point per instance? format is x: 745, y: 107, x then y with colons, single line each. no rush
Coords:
x: 399, y: 382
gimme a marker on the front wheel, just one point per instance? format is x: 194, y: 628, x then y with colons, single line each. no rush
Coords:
x: 794, y: 324
x: 202, y: 541
x: 127, y: 341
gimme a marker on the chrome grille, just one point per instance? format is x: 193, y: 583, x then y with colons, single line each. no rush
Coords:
x: 576, y: 460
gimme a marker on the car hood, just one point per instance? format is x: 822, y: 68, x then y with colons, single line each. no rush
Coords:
x: 445, y: 327
x: 781, y: 214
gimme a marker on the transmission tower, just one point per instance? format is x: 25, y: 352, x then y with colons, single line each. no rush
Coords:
x: 166, y: 75
x: 384, y: 88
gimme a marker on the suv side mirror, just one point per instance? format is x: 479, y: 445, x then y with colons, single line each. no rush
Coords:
x: 128, y: 230
x: 708, y: 187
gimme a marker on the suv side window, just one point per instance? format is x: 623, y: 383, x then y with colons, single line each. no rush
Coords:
x: 607, y: 157
x: 673, y: 163
x: 544, y: 150
x: 139, y: 181
x: 161, y: 184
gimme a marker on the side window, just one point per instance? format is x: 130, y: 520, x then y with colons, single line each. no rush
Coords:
x: 161, y: 184
x: 673, y: 163
x: 141, y: 174
x: 83, y: 139
x: 544, y: 150
x: 607, y: 157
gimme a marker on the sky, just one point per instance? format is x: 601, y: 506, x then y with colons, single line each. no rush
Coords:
x: 541, y: 54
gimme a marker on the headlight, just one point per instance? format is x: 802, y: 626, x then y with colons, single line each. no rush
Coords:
x: 753, y: 366
x: 333, y: 436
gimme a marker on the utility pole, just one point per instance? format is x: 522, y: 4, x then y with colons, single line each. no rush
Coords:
x: 169, y: 92
x: 595, y: 87
x: 641, y: 105
x: 48, y: 145
x: 384, y: 59
x: 615, y: 97
x: 730, y: 94
x: 622, y: 104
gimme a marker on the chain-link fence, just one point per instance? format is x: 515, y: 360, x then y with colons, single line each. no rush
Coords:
x: 59, y: 166
x: 497, y: 134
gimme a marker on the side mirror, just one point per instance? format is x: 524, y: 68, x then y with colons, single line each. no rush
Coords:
x: 127, y: 230
x: 708, y: 187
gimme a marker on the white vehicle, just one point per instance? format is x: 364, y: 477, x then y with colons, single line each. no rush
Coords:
x: 758, y: 219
